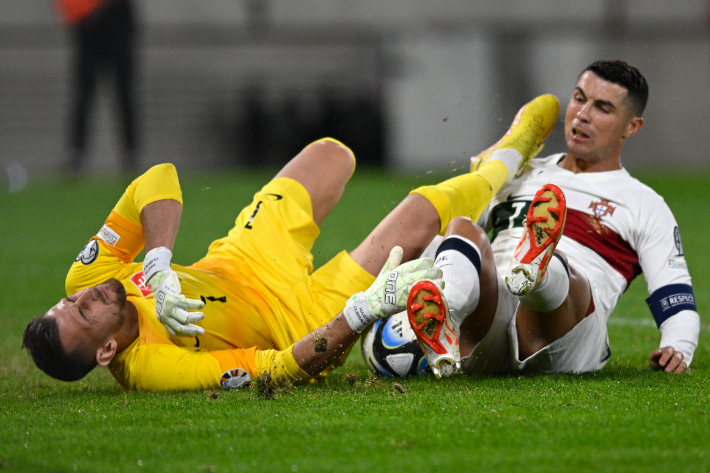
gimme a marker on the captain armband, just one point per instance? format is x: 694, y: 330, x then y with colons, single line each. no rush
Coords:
x: 667, y: 301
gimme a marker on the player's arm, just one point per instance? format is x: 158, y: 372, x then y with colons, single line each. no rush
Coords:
x: 158, y: 200
x: 386, y: 296
x: 161, y: 220
x: 671, y: 300
x: 167, y: 367
x: 121, y: 238
x: 320, y: 348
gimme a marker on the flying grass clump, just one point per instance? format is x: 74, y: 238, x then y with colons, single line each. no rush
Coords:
x: 267, y: 387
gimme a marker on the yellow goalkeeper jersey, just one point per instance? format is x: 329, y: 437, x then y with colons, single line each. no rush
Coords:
x: 260, y: 291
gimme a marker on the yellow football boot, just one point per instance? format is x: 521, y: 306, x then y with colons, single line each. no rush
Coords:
x: 531, y: 127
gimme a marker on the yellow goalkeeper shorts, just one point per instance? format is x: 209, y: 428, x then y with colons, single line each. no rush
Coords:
x: 269, y: 249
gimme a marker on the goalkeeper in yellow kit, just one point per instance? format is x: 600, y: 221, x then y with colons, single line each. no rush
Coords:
x: 253, y: 304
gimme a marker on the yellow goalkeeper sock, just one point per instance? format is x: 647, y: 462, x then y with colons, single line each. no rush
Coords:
x: 467, y: 195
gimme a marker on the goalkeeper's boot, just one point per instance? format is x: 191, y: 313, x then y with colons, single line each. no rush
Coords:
x: 531, y: 127
x: 542, y: 231
x: 428, y: 313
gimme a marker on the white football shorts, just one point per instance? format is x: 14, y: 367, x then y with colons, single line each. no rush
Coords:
x: 583, y: 349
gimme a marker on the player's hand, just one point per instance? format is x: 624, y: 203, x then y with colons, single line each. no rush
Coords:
x: 668, y: 359
x: 171, y: 306
x: 388, y: 294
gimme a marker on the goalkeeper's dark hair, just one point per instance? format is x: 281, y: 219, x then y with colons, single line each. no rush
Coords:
x: 628, y: 77
x: 41, y: 340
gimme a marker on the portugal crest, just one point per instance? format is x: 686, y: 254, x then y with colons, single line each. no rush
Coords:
x: 601, y: 209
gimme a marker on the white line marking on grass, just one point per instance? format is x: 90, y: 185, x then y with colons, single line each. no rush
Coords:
x: 642, y: 322
x: 636, y: 322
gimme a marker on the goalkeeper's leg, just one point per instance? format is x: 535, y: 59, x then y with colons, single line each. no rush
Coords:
x: 323, y: 168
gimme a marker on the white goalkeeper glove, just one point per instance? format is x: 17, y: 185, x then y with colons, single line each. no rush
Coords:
x: 388, y: 294
x: 170, y: 305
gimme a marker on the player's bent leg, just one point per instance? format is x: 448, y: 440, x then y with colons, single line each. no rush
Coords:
x: 323, y: 168
x: 475, y: 325
x: 409, y: 225
x: 543, y: 229
x: 427, y: 212
x: 468, y: 195
x: 553, y: 297
x: 440, y: 314
x: 413, y: 224
x: 537, y: 328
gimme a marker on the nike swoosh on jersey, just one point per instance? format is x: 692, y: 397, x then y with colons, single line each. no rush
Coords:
x: 518, y: 197
x: 278, y: 197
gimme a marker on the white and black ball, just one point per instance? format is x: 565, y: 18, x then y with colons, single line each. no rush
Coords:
x: 390, y: 348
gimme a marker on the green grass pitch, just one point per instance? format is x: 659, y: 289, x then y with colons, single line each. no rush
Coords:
x: 625, y: 418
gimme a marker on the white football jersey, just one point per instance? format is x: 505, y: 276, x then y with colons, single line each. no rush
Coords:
x: 616, y: 229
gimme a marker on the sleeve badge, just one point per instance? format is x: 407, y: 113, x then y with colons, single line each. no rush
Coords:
x: 234, y: 378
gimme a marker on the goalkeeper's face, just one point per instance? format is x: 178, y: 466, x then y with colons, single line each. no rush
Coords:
x: 89, y: 318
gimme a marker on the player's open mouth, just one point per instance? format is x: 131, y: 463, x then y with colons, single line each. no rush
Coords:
x: 578, y: 134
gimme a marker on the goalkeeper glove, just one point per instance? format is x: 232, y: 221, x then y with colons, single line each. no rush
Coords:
x: 170, y: 305
x: 388, y: 294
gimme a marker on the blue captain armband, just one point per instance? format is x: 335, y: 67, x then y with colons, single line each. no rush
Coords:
x: 667, y: 301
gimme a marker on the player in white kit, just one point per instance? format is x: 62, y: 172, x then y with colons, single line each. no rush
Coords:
x: 511, y: 304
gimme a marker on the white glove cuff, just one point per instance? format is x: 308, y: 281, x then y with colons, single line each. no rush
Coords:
x: 357, y: 313
x: 156, y: 260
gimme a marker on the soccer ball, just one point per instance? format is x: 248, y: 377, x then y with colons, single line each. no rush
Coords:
x: 390, y: 348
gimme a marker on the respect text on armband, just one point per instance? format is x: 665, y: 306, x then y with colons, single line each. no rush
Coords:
x: 677, y: 299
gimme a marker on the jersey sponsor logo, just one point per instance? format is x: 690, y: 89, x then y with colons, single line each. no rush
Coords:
x: 676, y: 300
x: 278, y: 197
x: 677, y: 263
x: 678, y: 243
x: 601, y: 209
x: 139, y: 280
x: 234, y: 378
x: 89, y: 253
x: 108, y: 235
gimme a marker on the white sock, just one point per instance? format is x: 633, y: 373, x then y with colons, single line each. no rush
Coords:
x: 552, y: 290
x: 460, y: 261
x: 510, y: 157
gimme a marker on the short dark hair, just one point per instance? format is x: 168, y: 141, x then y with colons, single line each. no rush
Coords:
x: 41, y: 340
x: 628, y: 77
